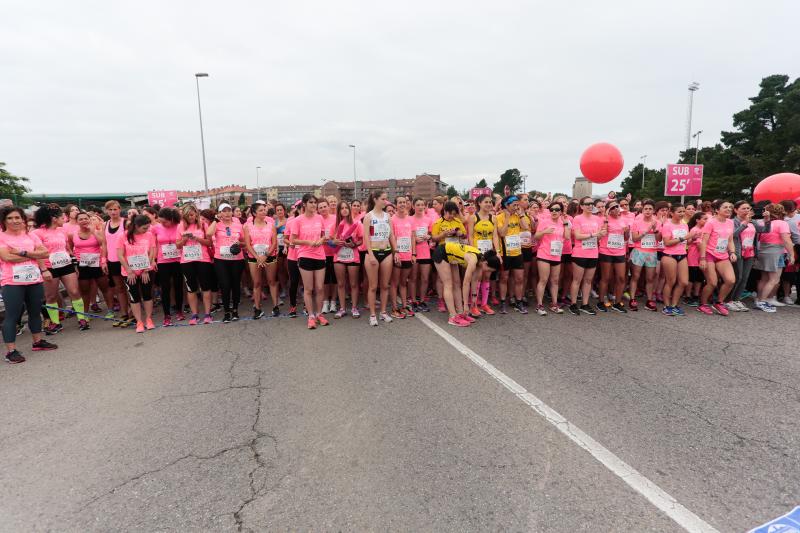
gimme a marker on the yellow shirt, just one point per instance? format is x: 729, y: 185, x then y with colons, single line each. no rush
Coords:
x: 442, y: 225
x: 483, y: 233
x: 512, y: 243
x: 456, y: 252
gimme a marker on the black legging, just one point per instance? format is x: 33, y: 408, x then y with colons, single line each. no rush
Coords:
x: 170, y: 276
x: 16, y: 298
x: 294, y: 281
x: 229, y: 277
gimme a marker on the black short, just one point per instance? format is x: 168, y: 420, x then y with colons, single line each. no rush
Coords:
x: 139, y: 291
x: 659, y: 255
x: 404, y: 265
x: 87, y: 272
x: 363, y: 255
x: 551, y: 262
x: 612, y: 258
x: 438, y: 254
x: 676, y: 257
x: 63, y: 271
x: 566, y: 258
x: 528, y: 255
x: 424, y: 261
x: 696, y: 275
x: 114, y: 268
x: 330, y: 273
x: 380, y: 255
x: 308, y: 263
x: 513, y: 263
x: 585, y: 262
x: 199, y: 275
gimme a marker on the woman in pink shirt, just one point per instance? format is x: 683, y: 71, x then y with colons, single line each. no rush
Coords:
x: 196, y: 267
x: 89, y: 247
x: 696, y: 277
x: 168, y: 260
x: 613, y: 247
x: 644, y: 233
x: 716, y: 253
x: 329, y: 225
x: 308, y: 234
x: 586, y: 230
x: 421, y: 269
x: 22, y: 271
x: 114, y: 233
x: 404, y: 233
x: 137, y: 254
x: 71, y: 224
x: 380, y: 245
x: 228, y: 238
x: 675, y: 267
x: 49, y: 222
x: 774, y: 248
x: 348, y: 236
x: 261, y: 242
x: 550, y: 232
x: 744, y: 235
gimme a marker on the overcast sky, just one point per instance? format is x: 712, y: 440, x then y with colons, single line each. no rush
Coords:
x: 100, y: 96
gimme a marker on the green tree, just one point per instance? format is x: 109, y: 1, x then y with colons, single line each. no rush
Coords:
x: 510, y: 177
x: 653, y: 183
x: 481, y: 184
x: 451, y: 191
x: 12, y: 186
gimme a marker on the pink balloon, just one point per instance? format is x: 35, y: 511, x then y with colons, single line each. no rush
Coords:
x: 783, y: 186
x: 601, y: 162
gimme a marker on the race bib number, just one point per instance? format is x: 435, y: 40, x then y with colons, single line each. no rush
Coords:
x: 649, y: 241
x: 281, y: 239
x: 404, y: 244
x: 590, y: 243
x: 89, y: 260
x: 225, y: 252
x: 422, y: 232
x: 169, y: 251
x: 747, y: 243
x: 484, y: 245
x: 192, y: 252
x: 555, y: 247
x: 345, y: 254
x: 525, y: 238
x: 722, y: 245
x: 452, y: 239
x: 616, y: 241
x: 679, y: 233
x: 60, y: 259
x: 261, y: 249
x: 26, y: 273
x: 380, y: 231
x: 139, y: 262
x: 513, y: 243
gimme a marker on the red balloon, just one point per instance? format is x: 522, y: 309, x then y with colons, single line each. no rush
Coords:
x: 783, y: 186
x: 601, y: 162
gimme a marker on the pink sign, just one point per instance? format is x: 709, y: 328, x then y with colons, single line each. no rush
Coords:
x: 684, y: 180
x: 477, y: 191
x: 162, y: 198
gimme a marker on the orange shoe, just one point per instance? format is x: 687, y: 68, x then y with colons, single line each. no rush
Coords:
x: 312, y: 324
x: 322, y: 320
x: 140, y: 327
x: 487, y: 310
x: 149, y: 324
x: 475, y: 312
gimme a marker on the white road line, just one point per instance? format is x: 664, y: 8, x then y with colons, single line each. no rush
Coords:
x: 654, y: 494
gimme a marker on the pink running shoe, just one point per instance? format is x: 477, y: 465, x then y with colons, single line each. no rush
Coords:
x: 721, y: 309
x: 705, y: 309
x: 458, y: 321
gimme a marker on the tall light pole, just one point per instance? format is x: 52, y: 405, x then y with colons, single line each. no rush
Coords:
x: 258, y: 187
x: 202, y: 139
x: 697, y: 149
x: 355, y: 180
x: 643, y: 159
x: 524, y: 183
x: 694, y: 86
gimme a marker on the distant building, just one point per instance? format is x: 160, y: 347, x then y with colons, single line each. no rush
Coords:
x: 232, y: 194
x: 423, y: 185
x: 582, y: 187
x: 289, y: 194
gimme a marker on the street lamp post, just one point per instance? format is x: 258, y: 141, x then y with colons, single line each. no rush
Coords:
x: 524, y: 183
x: 355, y: 180
x: 258, y: 187
x: 697, y: 149
x: 694, y: 86
x: 202, y: 139
x: 643, y: 159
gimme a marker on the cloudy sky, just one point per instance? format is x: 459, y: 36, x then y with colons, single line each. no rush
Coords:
x: 100, y: 96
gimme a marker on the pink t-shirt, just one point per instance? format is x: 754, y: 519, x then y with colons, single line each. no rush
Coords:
x: 223, y: 239
x: 422, y: 227
x: 403, y: 230
x: 137, y: 253
x: 671, y: 231
x: 192, y: 250
x: 71, y: 228
x: 649, y: 240
x: 719, y: 235
x: 307, y: 228
x: 747, y: 236
x: 25, y: 272
x: 291, y: 254
x: 329, y: 226
x: 586, y: 225
x: 87, y: 251
x: 166, y: 250
x: 113, y: 240
x: 55, y: 240
x: 567, y: 242
x: 613, y: 243
x: 261, y: 236
x: 551, y: 245
x: 776, y: 229
x: 355, y: 231
x: 693, y: 253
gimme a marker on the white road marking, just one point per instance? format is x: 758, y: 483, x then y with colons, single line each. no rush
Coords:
x: 654, y: 494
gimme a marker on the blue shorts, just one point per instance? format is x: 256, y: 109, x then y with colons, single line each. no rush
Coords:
x: 646, y: 259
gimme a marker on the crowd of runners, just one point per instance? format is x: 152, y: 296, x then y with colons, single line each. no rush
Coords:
x: 466, y: 258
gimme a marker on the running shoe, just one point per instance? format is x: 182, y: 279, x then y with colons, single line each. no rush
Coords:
x: 775, y: 303
x: 396, y: 313
x: 354, y: 312
x: 487, y: 310
x: 458, y: 321
x: 386, y: 318
x: 322, y: 320
x: 276, y: 311
x: 494, y: 301
x: 325, y: 306
x: 139, y: 327
x: 408, y: 311
x: 764, y: 306
x: 651, y: 305
x: 677, y: 311
x: 693, y: 302
x: 441, y: 307
x: 235, y: 315
x: 475, y: 312
x: 53, y: 329
x: 521, y: 308
x: 180, y: 317
x: 573, y: 308
x: 721, y: 309
x: 42, y: 345
x: 216, y: 307
x: 503, y: 308
x: 556, y: 309
x: 619, y: 308
x: 743, y: 308
x: 167, y: 322
x: 466, y: 317
x: 115, y: 307
x: 149, y: 324
x: 424, y: 307
x: 788, y: 300
x: 94, y: 308
x: 312, y: 324
x: 667, y: 311
x: 332, y: 306
x: 540, y: 310
x: 603, y: 306
x: 193, y: 320
x: 588, y: 310
x: 373, y: 320
x: 14, y: 357
x: 340, y: 313
x: 634, y: 305
x: 208, y: 319
x: 226, y: 318
x: 109, y: 315
x: 257, y: 313
x: 83, y: 324
x: 705, y: 309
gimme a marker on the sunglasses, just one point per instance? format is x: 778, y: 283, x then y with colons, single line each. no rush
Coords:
x: 613, y: 207
x: 555, y: 209
x: 587, y: 204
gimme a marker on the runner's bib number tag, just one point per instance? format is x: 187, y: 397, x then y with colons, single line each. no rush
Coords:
x: 60, y: 259
x: 525, y: 238
x: 556, y: 247
x: 422, y: 232
x: 26, y: 273
x: 616, y: 241
x: 484, y: 245
x: 404, y: 244
x: 679, y: 233
x: 381, y: 231
x: 747, y: 243
x: 261, y: 249
x: 649, y: 241
x: 139, y: 262
x: 590, y: 243
x: 722, y: 245
x: 452, y: 239
x: 89, y: 260
x: 280, y: 239
x: 169, y: 251
x: 192, y: 252
x: 225, y: 252
x: 345, y: 254
x: 513, y: 243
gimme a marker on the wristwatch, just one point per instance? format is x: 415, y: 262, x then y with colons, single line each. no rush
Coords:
x: 23, y: 253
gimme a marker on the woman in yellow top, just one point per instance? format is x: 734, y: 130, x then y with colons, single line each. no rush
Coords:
x: 483, y: 236
x: 510, y: 222
x: 450, y: 229
x: 447, y: 257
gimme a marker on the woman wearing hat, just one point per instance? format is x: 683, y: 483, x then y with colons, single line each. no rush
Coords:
x: 510, y: 222
x: 228, y: 238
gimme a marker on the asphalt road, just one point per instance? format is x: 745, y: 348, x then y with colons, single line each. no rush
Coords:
x: 267, y: 426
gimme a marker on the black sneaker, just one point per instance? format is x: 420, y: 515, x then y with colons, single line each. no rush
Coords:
x: 257, y: 313
x: 588, y: 310
x: 83, y: 324
x: 276, y: 311
x: 53, y: 329
x: 216, y: 307
x: 293, y: 312
x: 619, y: 308
x: 14, y: 357
x: 574, y: 309
x: 43, y: 345
x: 20, y: 329
x: 235, y: 315
x: 226, y: 318
x: 602, y: 307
